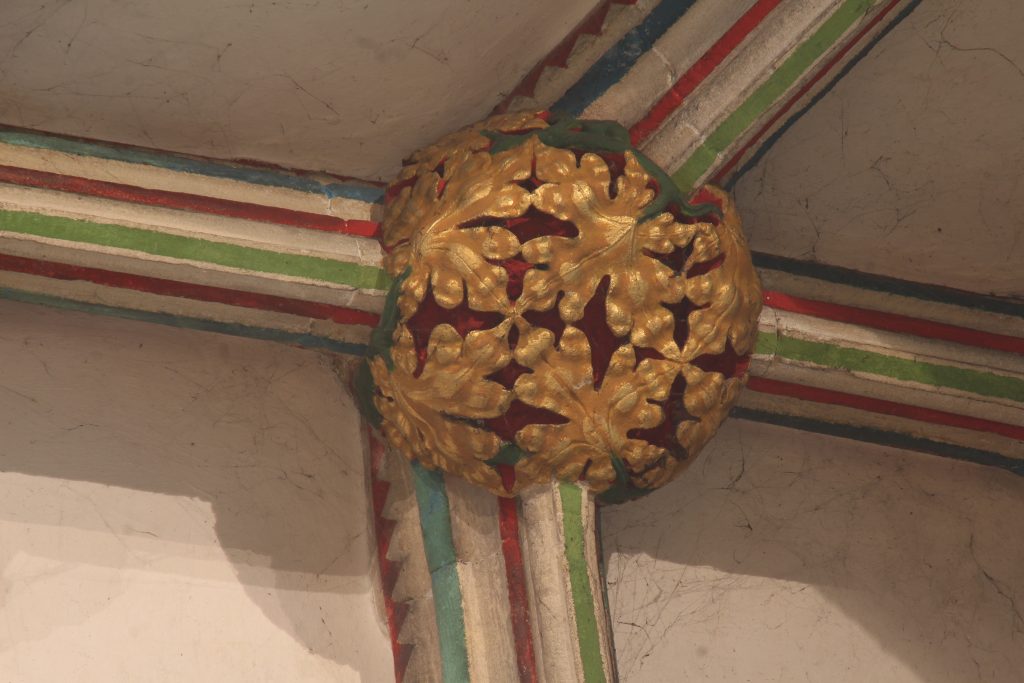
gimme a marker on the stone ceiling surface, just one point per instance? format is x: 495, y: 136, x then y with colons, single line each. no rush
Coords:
x: 911, y: 166
x: 348, y: 87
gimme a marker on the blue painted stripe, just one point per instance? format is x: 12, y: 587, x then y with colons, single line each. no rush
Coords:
x: 186, y: 164
x: 309, y: 341
x: 884, y: 438
x: 436, y: 525
x: 770, y: 141
x: 889, y: 285
x: 616, y: 63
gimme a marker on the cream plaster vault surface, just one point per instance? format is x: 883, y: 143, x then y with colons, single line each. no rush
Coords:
x: 177, y: 506
x: 341, y: 85
x: 786, y: 556
x: 912, y: 165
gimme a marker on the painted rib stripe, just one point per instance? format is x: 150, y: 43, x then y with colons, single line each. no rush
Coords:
x: 587, y: 632
x: 700, y: 70
x: 894, y: 322
x: 616, y: 63
x: 722, y: 173
x: 191, y: 249
x: 855, y: 360
x: 187, y: 202
x: 874, y: 405
x: 601, y: 581
x: 883, y: 438
x: 559, y: 56
x: 1011, y: 448
x: 395, y: 614
x: 309, y: 341
x: 515, y: 573
x: 435, y: 520
x: 889, y: 285
x: 152, y: 285
x: 794, y: 66
x: 265, y: 175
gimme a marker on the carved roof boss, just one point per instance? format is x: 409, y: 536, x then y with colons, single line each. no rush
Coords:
x: 559, y: 310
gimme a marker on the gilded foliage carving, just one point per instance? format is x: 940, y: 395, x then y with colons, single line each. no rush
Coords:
x: 560, y: 313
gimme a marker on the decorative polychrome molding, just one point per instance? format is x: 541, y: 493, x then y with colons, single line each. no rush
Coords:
x: 483, y: 587
x: 186, y: 241
x: 562, y: 323
x: 704, y: 87
x: 887, y: 361
x: 74, y: 274
x: 404, y: 576
x: 558, y: 310
x: 518, y: 589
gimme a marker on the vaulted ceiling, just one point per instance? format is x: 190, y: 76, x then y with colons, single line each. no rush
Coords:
x: 348, y: 87
x: 910, y: 166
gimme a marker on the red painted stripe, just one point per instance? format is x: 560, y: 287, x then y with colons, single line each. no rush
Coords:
x: 875, y: 405
x: 508, y: 522
x: 188, y: 202
x: 700, y: 70
x: 152, y: 285
x: 894, y: 323
x: 835, y: 59
x: 395, y: 613
x: 592, y: 24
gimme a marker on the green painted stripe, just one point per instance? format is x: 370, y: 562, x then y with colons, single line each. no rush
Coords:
x: 767, y: 343
x: 439, y: 546
x: 192, y: 249
x: 705, y: 156
x: 855, y: 360
x: 579, y: 581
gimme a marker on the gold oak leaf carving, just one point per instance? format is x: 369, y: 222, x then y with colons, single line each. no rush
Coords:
x: 611, y: 241
x: 731, y: 296
x: 446, y: 223
x: 599, y: 418
x: 471, y: 139
x: 429, y: 417
x: 728, y: 293
x: 426, y: 230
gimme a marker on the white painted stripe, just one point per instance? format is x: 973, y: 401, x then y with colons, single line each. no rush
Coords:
x: 552, y: 617
x: 949, y: 314
x: 892, y: 344
x: 483, y: 580
x: 237, y: 231
x: 657, y: 70
x: 736, y: 79
x: 126, y: 261
x: 152, y: 177
x: 968, y: 438
x: 88, y: 292
x: 887, y: 389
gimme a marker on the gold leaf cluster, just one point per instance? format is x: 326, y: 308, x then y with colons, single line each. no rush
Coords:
x: 445, y: 228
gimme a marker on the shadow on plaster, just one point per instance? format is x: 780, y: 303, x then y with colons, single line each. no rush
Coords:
x: 263, y: 435
x: 923, y: 556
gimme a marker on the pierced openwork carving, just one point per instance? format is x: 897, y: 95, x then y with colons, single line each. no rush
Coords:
x: 558, y: 310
